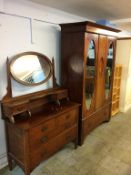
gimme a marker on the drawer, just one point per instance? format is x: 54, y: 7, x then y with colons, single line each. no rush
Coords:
x: 66, y: 137
x: 96, y: 119
x: 69, y: 116
x: 52, y: 146
x: 71, y: 134
x: 43, y: 128
x: 20, y: 108
x: 67, y: 120
x: 42, y: 133
x: 92, y: 121
x: 88, y: 125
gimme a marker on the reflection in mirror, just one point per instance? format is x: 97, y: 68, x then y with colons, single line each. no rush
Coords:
x: 108, y: 70
x: 30, y: 69
x: 90, y: 74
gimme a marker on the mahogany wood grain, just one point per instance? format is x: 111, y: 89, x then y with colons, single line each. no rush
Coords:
x: 33, y: 140
x: 75, y: 40
x: 38, y: 124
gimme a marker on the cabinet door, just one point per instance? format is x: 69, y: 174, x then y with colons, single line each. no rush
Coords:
x: 90, y: 61
x: 100, y: 77
x: 110, y: 59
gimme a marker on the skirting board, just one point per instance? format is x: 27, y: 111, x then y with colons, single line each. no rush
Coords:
x: 125, y: 109
x: 3, y: 160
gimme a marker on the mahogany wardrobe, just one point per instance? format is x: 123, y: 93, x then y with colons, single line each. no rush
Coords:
x: 87, y: 62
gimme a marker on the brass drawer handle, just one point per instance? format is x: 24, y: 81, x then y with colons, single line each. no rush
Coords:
x: 43, y: 139
x: 44, y: 129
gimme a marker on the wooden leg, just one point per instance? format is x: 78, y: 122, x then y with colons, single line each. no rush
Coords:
x: 27, y: 171
x: 76, y: 143
x: 10, y: 163
x: 81, y: 140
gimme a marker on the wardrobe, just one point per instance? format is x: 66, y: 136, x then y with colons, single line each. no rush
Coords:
x: 87, y: 62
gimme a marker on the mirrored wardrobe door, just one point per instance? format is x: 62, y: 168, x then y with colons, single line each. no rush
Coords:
x: 109, y: 69
x: 90, y: 74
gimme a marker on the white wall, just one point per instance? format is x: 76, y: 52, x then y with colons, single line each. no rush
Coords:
x: 123, y: 57
x: 15, y: 37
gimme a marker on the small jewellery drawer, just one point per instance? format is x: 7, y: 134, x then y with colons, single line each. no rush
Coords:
x: 14, y: 109
x: 20, y: 108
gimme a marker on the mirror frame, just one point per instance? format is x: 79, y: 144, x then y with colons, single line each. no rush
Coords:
x: 14, y: 58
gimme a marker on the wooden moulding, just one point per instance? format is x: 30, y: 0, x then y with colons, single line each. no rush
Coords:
x: 89, y: 26
x: 30, y: 102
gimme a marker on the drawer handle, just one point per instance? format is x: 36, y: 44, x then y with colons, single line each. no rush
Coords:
x: 67, y: 125
x: 44, y: 129
x: 43, y: 139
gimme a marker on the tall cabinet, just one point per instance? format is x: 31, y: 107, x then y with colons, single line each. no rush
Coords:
x: 87, y: 61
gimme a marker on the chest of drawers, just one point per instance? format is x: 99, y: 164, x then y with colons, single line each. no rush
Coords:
x: 34, y: 140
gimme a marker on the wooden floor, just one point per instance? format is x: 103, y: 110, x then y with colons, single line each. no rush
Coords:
x: 106, y: 151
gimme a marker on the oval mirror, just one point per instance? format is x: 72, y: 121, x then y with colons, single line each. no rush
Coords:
x: 108, y: 70
x: 90, y: 74
x: 31, y: 68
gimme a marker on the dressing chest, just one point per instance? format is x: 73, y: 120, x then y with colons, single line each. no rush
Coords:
x: 37, y: 124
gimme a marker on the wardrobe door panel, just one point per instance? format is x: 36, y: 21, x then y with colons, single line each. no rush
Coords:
x: 109, y: 68
x: 91, y: 51
x: 100, y: 80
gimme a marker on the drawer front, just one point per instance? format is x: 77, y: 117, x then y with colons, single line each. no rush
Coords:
x: 52, y: 146
x: 92, y: 121
x: 71, y: 134
x: 88, y: 125
x: 67, y: 120
x: 62, y: 139
x: 20, y: 108
x: 42, y: 133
